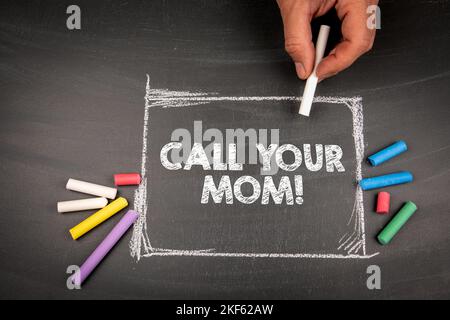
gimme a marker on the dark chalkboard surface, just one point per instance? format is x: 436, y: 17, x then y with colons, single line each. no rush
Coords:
x: 75, y: 104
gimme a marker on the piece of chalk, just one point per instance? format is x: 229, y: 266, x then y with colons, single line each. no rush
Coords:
x: 82, y: 204
x: 98, y: 217
x: 91, y: 188
x: 386, y: 180
x: 388, y: 153
x: 383, y: 200
x: 391, y: 229
x: 104, y: 247
x: 127, y: 179
x: 311, y: 83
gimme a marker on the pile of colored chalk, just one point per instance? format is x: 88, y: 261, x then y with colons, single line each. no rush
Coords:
x: 383, y: 198
x: 106, y: 211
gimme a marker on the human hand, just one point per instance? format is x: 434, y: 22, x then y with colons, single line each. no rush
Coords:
x: 357, y: 38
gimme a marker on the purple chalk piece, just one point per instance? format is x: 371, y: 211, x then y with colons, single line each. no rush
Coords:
x: 107, y: 244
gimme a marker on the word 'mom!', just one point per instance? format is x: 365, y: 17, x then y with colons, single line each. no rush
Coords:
x: 327, y: 157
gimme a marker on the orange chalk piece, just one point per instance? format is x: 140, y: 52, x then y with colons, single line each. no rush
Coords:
x: 127, y: 179
x: 383, y: 201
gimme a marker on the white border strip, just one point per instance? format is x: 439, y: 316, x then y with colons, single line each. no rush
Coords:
x: 187, y: 253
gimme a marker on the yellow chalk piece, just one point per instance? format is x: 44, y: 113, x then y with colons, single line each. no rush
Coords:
x: 98, y: 217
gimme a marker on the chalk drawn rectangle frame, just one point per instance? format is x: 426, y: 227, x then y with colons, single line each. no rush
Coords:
x: 353, y: 244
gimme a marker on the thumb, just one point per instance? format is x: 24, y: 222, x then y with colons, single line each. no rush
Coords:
x: 298, y: 36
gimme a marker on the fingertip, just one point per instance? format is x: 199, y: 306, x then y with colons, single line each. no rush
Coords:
x: 324, y: 69
x: 301, y: 71
x: 329, y: 66
x: 303, y: 56
x: 326, y: 76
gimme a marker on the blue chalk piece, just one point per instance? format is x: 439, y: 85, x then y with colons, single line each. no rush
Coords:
x: 388, y: 153
x: 386, y: 180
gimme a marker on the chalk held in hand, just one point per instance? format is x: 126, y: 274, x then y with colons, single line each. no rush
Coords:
x: 104, y: 247
x: 397, y: 222
x: 127, y: 179
x: 91, y: 188
x: 383, y: 201
x: 386, y: 180
x: 388, y: 153
x: 98, y: 217
x: 82, y: 204
x: 311, y: 83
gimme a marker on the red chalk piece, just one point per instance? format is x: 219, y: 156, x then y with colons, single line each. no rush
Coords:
x: 383, y: 202
x: 127, y: 179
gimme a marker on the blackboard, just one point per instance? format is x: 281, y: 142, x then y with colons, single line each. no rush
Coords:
x: 74, y: 102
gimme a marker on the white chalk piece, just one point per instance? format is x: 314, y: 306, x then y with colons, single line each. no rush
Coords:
x: 91, y: 188
x: 82, y: 204
x: 311, y: 83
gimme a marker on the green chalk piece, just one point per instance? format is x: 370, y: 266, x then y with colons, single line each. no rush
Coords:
x: 397, y: 222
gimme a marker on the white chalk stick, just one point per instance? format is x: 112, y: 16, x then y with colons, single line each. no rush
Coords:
x: 91, y: 188
x: 82, y: 204
x: 311, y: 83
x: 308, y: 95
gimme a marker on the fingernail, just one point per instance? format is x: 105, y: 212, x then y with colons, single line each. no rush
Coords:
x: 301, y: 72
